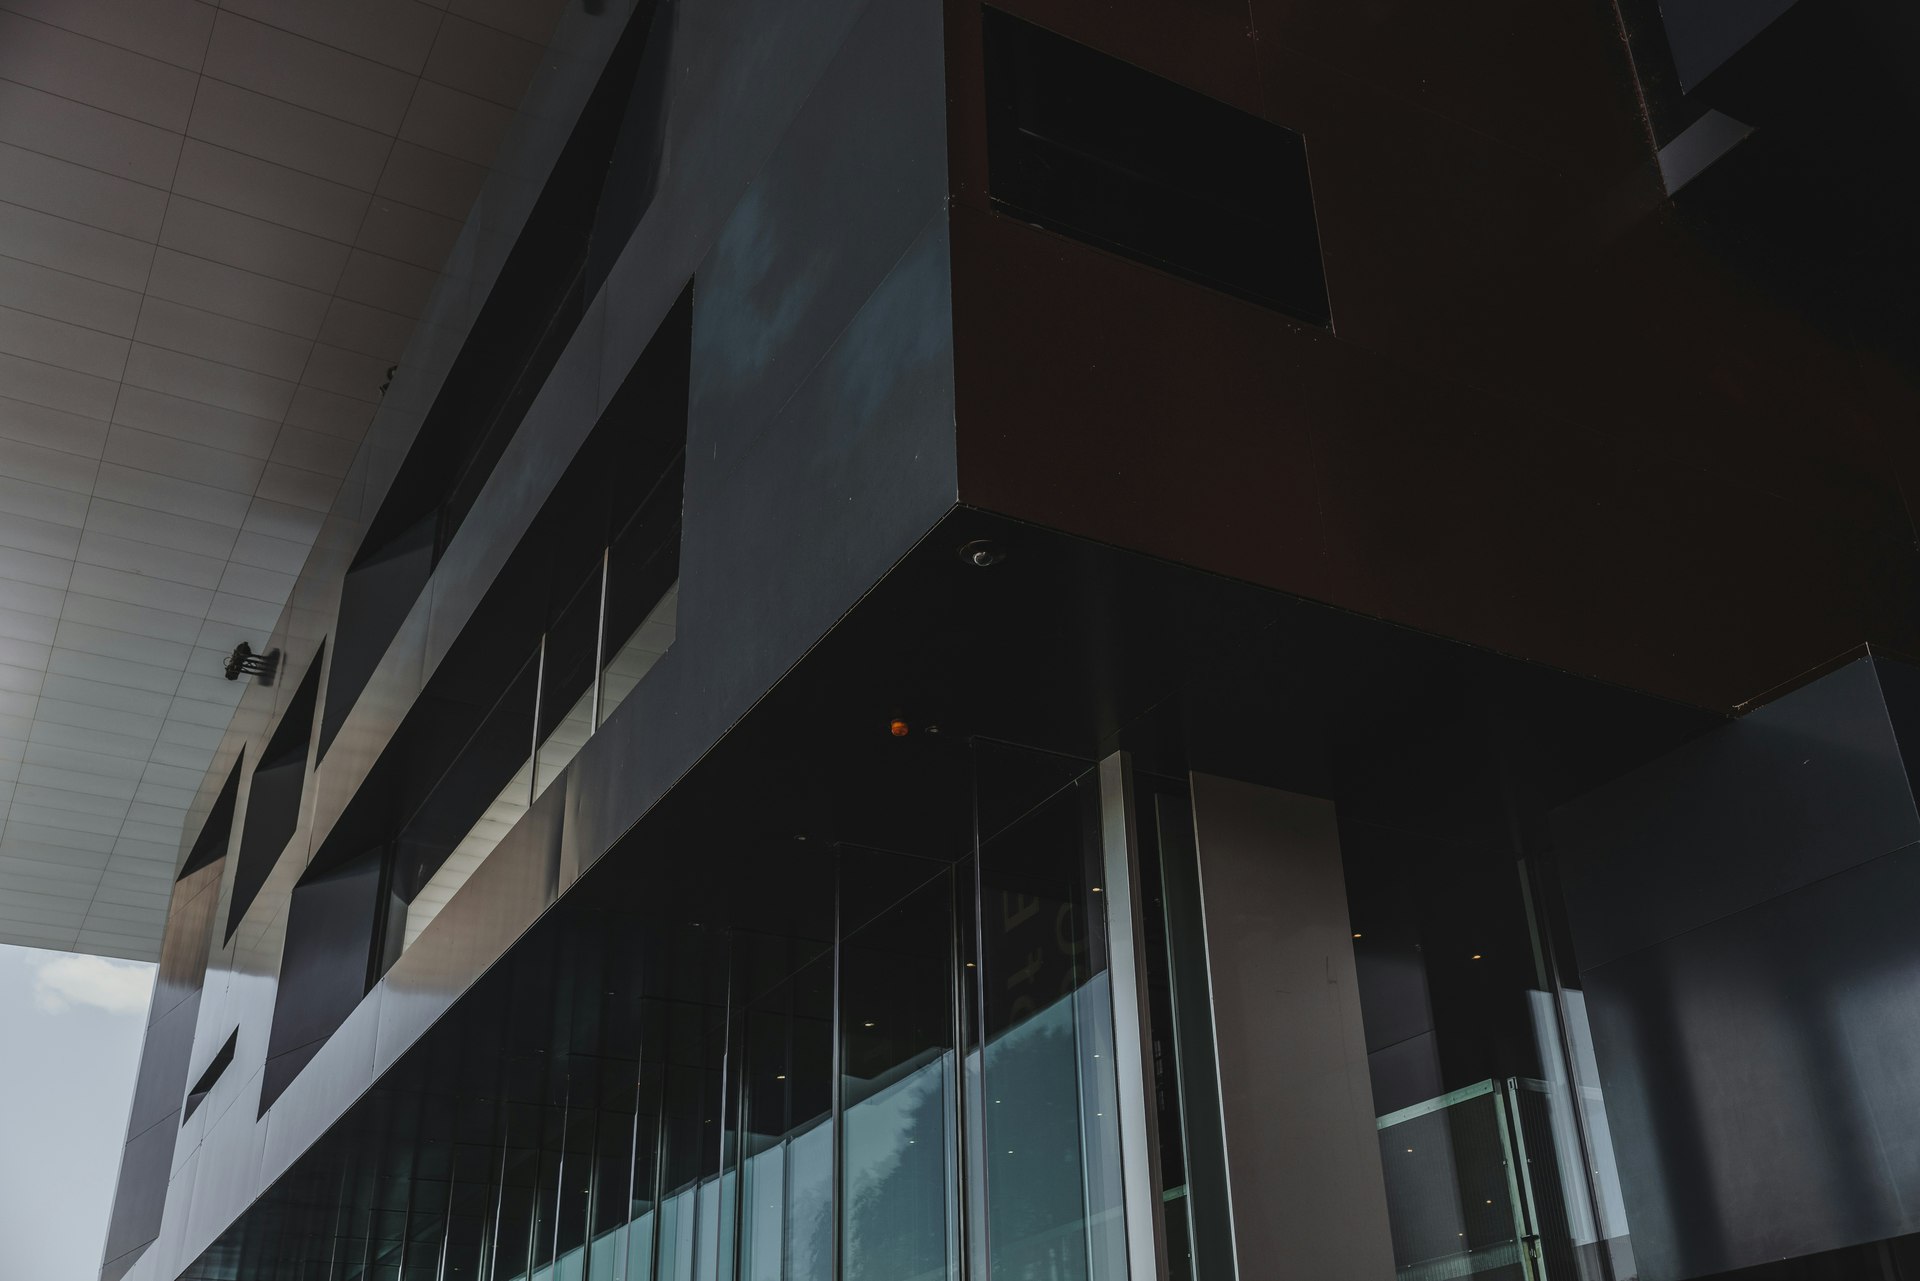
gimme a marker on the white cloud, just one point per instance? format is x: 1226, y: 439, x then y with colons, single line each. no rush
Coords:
x: 118, y: 987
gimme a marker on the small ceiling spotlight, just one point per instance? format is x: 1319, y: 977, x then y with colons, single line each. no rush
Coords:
x: 983, y: 553
x: 244, y: 662
x: 899, y: 728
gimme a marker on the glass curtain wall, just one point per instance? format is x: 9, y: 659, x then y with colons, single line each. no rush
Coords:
x: 1493, y: 1131
x: 930, y: 1097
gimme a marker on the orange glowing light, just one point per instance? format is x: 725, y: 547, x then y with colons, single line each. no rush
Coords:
x: 899, y: 729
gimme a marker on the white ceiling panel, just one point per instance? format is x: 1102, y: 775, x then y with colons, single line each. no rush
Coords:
x: 278, y: 193
x: 188, y: 330
x: 66, y: 190
x: 307, y: 73
x: 60, y: 295
x: 46, y: 466
x: 218, y: 223
x: 220, y: 235
x: 38, y: 383
x: 75, y: 347
x: 54, y: 125
x: 265, y: 128
x: 173, y: 30
x: 431, y: 180
x: 237, y: 292
x: 101, y: 75
x: 398, y: 33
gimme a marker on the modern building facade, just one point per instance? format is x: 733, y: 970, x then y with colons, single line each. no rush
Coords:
x: 1056, y: 640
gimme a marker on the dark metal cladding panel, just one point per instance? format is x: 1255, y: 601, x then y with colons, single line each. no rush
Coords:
x: 1806, y: 786
x: 1545, y: 421
x: 1900, y: 686
x: 140, y: 1196
x: 1759, y: 1076
x: 1742, y: 915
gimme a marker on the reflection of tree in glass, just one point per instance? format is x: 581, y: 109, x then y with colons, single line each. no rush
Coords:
x: 1036, y: 1197
x: 810, y: 1198
x: 896, y: 1172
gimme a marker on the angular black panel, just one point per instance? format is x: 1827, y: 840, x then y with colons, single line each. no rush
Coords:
x: 375, y: 598
x: 633, y: 175
x: 333, y: 925
x: 273, y: 804
x: 1742, y: 914
x: 1759, y: 1076
x: 215, y: 834
x: 1704, y: 33
x: 1102, y: 151
x: 204, y: 1085
x: 1802, y: 788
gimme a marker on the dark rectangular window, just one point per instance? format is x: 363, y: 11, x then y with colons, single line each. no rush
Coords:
x: 1100, y: 150
x: 273, y: 804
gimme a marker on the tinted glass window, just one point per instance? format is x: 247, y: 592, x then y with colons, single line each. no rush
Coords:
x: 1100, y: 150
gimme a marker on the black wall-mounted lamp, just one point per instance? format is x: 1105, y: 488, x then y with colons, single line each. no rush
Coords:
x: 244, y: 662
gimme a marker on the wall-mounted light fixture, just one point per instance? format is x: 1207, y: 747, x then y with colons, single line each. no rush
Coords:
x: 244, y: 662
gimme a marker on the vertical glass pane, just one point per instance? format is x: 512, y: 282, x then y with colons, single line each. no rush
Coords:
x: 693, y: 1113
x: 476, y: 803
x: 810, y: 1203
x: 573, y: 1191
x: 515, y: 1197
x: 611, y: 1190
x: 973, y: 1080
x: 643, y: 569
x: 1050, y: 1125
x: 646, y: 1150
x: 469, y: 1208
x: 501, y: 813
x: 676, y: 1237
x: 547, y: 1197
x: 1490, y: 1158
x: 764, y: 1197
x: 707, y: 1208
x: 636, y: 653
x: 786, y: 1201
x: 570, y: 659
x: 1192, y: 1147
x: 897, y: 1086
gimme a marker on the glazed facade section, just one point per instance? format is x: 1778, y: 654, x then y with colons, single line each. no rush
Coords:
x: 1055, y: 642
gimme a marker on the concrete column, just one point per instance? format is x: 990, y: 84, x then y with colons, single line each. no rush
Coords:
x: 1303, y: 1156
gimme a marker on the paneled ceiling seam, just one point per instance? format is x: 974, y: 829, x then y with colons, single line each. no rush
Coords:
x: 6, y: 814
x: 144, y: 528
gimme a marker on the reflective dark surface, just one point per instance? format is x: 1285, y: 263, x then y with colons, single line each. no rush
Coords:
x: 1550, y: 420
x: 955, y: 648
x: 1753, y: 1004
x: 1088, y: 146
